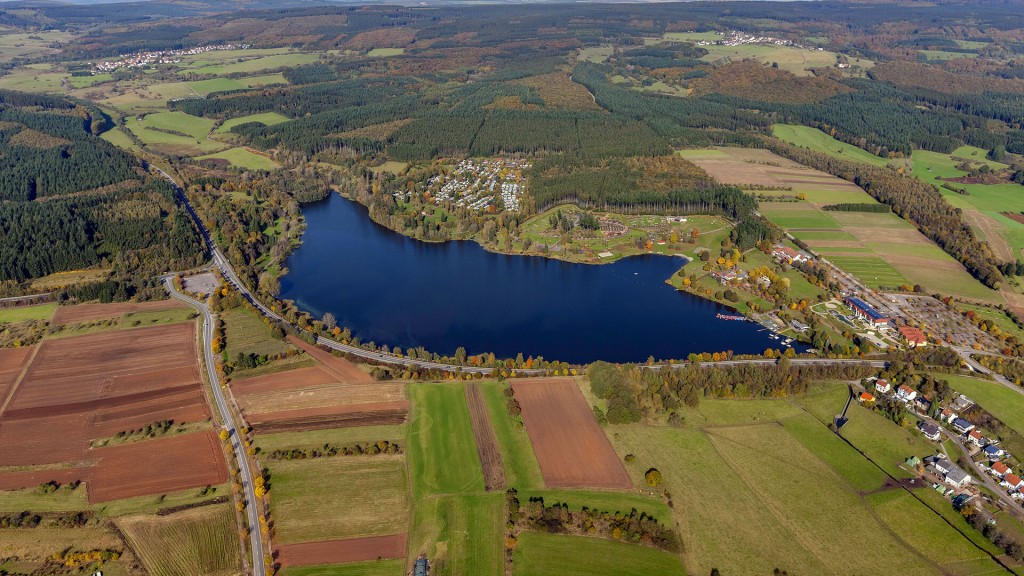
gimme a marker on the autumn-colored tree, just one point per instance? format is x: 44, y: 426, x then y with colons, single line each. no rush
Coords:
x: 653, y: 477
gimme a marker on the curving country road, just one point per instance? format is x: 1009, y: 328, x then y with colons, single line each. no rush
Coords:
x: 255, y: 538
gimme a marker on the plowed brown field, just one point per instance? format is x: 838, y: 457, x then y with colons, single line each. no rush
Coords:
x: 339, y: 551
x: 486, y: 441
x: 300, y: 378
x: 89, y: 387
x: 157, y: 467
x: 12, y: 361
x: 331, y: 417
x: 321, y: 396
x: 90, y: 312
x: 571, y: 448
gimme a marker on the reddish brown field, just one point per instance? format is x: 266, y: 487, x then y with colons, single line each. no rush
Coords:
x: 300, y: 378
x: 571, y: 448
x: 84, y: 388
x: 339, y: 551
x: 344, y: 370
x: 486, y: 442
x: 157, y: 467
x: 104, y: 364
x: 91, y: 312
x: 12, y: 361
x: 330, y: 417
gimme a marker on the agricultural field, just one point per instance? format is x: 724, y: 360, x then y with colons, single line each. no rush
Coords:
x: 943, y: 55
x: 338, y: 497
x: 342, y: 551
x: 267, y: 119
x: 819, y: 141
x: 187, y: 135
x: 461, y: 534
x: 15, y: 43
x: 539, y: 554
x: 596, y: 54
x: 881, y: 249
x: 789, y: 58
x: 442, y: 454
x: 245, y: 61
x: 245, y: 333
x: 81, y: 313
x: 1003, y: 403
x: 521, y: 468
x: 26, y: 313
x: 385, y: 52
x: 772, y: 475
x: 571, y: 448
x: 198, y: 542
x: 374, y: 568
x: 242, y: 157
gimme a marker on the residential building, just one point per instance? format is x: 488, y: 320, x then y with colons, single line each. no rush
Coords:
x: 866, y: 397
x: 788, y: 255
x: 957, y: 477
x: 961, y: 403
x: 974, y: 437
x: 930, y: 431
x: 993, y: 451
x: 866, y: 312
x: 1012, y: 481
x: 905, y: 393
x: 882, y: 385
x: 999, y: 469
x: 947, y: 415
x: 962, y: 426
x: 923, y: 404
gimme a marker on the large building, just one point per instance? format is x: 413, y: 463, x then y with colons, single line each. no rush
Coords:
x: 914, y: 336
x: 866, y: 312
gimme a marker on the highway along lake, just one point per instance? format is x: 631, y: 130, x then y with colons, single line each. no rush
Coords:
x: 402, y: 292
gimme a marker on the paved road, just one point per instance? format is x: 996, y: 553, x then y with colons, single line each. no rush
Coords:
x: 255, y: 538
x: 792, y: 361
x: 1012, y: 506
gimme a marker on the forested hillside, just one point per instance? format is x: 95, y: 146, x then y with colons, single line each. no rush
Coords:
x: 70, y: 200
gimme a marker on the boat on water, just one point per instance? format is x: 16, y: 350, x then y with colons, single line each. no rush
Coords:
x: 721, y: 316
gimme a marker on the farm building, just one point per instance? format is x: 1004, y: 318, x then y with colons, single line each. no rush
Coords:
x: 913, y: 336
x: 962, y: 426
x: 866, y: 312
x: 930, y: 431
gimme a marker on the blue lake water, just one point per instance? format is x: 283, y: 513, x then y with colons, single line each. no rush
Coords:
x: 398, y: 291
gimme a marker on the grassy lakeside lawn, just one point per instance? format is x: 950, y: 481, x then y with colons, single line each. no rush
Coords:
x: 441, y: 447
x: 243, y: 158
x: 246, y: 333
x: 461, y: 534
x: 25, y: 313
x: 819, y: 141
x: 371, y: 568
x: 338, y: 497
x: 266, y: 118
x: 521, y: 469
x: 538, y: 554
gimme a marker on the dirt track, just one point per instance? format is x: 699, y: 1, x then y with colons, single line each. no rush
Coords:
x: 571, y: 447
x: 486, y: 442
x: 339, y: 551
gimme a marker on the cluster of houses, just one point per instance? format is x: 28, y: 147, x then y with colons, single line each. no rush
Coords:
x: 734, y: 38
x: 477, y: 184
x: 147, y: 59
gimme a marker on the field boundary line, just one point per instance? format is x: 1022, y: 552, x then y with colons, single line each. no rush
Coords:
x: 21, y: 377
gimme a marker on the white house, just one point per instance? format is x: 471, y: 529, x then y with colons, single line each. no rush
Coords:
x: 905, y: 393
x: 882, y: 385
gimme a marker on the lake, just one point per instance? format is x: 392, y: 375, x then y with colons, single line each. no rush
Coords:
x: 402, y: 292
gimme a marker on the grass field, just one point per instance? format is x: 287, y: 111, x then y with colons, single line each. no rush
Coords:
x: 150, y: 131
x: 121, y: 140
x: 692, y: 36
x: 385, y: 52
x: 74, y: 500
x: 338, y: 497
x: 596, y: 53
x: 194, y: 542
x: 820, y: 142
x: 791, y: 215
x: 942, y: 55
x: 442, y: 450
x: 872, y: 270
x: 194, y: 126
x: 521, y: 469
x: 29, y: 547
x: 795, y: 60
x: 372, y: 568
x: 266, y: 118
x: 243, y: 158
x: 225, y: 64
x: 538, y: 554
x: 246, y: 333
x: 461, y: 534
x: 24, y: 313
